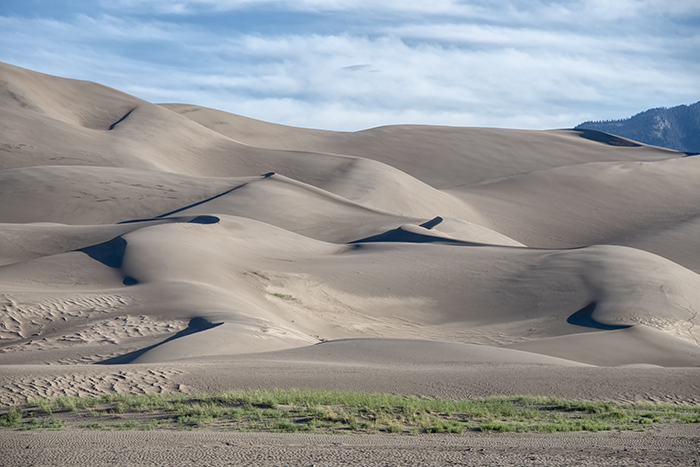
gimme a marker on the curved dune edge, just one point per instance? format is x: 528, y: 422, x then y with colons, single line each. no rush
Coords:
x: 379, y: 351
x: 636, y: 345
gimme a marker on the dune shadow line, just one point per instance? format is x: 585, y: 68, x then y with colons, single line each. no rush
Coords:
x: 195, y: 325
x: 203, y: 219
x: 432, y: 223
x: 606, y: 138
x: 402, y: 236
x: 399, y: 235
x: 111, y: 127
x: 584, y: 317
x: 267, y: 175
x: 109, y: 253
x: 190, y: 206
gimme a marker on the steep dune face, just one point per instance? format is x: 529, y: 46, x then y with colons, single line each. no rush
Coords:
x: 138, y: 233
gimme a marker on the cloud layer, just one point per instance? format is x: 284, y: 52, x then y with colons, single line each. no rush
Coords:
x: 356, y: 64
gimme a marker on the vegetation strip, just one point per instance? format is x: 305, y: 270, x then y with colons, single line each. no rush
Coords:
x: 291, y: 411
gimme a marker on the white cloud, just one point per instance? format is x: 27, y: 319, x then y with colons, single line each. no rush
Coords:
x: 461, y: 72
x: 494, y: 36
x: 201, y: 6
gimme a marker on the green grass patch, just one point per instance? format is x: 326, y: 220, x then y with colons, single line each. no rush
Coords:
x: 12, y: 418
x: 48, y: 423
x: 293, y: 411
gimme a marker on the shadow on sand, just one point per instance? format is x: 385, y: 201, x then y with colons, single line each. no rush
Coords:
x: 111, y: 252
x: 196, y: 325
x: 606, y: 138
x: 584, y: 317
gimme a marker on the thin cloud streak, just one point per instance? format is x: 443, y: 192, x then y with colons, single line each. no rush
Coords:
x: 510, y: 11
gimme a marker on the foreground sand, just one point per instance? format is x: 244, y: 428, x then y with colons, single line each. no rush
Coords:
x: 662, y: 445
x: 150, y: 248
x: 321, y: 367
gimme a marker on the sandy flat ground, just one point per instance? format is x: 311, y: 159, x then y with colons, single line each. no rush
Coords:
x: 151, y: 248
x: 674, y: 385
x: 661, y: 445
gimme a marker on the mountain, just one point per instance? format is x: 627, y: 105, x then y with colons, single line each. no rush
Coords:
x: 675, y: 128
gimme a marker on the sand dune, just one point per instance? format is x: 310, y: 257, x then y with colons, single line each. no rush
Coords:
x: 595, y: 203
x: 190, y: 240
x: 636, y: 345
x: 443, y: 157
x: 382, y: 352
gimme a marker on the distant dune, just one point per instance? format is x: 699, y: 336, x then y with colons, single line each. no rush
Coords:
x: 142, y: 244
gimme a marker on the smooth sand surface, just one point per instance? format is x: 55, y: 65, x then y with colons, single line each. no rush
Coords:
x: 664, y: 445
x: 148, y: 248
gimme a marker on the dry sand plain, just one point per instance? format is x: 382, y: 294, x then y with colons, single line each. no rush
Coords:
x: 149, y: 248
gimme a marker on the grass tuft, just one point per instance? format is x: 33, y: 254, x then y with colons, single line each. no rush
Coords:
x: 291, y: 411
x: 12, y: 418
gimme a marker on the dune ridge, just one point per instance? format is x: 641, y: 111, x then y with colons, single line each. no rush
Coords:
x: 136, y: 233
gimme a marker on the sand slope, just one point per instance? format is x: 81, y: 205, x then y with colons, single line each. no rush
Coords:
x: 140, y: 233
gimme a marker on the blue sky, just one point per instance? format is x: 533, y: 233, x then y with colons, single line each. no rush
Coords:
x: 355, y: 64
